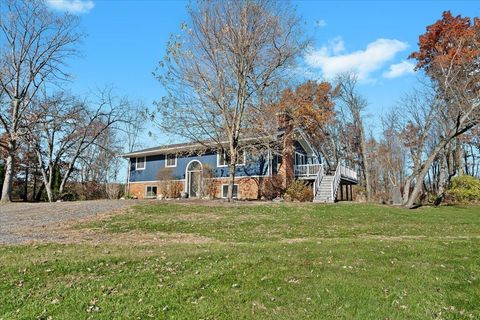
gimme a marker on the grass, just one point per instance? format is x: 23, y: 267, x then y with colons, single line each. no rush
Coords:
x: 344, y: 261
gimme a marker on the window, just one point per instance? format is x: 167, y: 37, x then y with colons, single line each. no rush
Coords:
x: 300, y: 158
x: 225, y: 190
x: 171, y: 160
x: 151, y: 192
x: 241, y: 158
x: 223, y: 159
x: 140, y: 163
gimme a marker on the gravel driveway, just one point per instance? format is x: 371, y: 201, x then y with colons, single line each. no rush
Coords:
x: 23, y: 222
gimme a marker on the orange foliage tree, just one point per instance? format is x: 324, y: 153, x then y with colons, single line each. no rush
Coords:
x: 449, y: 43
x: 310, y: 105
x: 449, y: 53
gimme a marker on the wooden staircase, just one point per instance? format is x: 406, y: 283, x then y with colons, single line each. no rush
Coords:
x: 326, y: 186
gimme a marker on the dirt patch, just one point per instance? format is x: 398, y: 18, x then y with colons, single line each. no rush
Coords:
x: 90, y: 236
x: 295, y: 240
x: 68, y: 232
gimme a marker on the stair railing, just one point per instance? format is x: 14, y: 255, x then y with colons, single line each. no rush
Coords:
x: 318, y: 180
x: 336, y: 181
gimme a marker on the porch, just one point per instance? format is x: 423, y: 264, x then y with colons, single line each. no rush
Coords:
x: 307, y: 171
x: 310, y: 171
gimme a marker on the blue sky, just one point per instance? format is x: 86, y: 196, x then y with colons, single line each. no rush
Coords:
x: 126, y: 39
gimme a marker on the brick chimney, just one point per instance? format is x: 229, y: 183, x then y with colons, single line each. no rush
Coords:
x: 286, y: 170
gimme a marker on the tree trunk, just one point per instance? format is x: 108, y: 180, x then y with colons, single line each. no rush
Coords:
x: 67, y: 174
x: 442, y: 179
x: 47, y: 184
x: 38, y: 196
x: 47, y: 177
x: 459, y: 158
x: 406, y: 190
x: 365, y: 160
x: 231, y: 182
x: 9, y: 172
x: 48, y: 188
x: 25, y: 185
x: 421, y: 175
x: 34, y: 192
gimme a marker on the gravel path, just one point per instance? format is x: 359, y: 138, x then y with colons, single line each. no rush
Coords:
x: 23, y: 222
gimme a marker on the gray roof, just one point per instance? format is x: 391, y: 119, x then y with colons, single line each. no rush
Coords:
x: 176, y: 147
x: 192, y: 146
x: 187, y: 146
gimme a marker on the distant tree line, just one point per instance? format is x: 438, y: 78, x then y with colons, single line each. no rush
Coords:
x: 48, y: 137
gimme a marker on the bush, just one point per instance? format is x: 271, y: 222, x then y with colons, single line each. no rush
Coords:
x: 209, y: 187
x: 169, y: 186
x: 271, y: 187
x: 299, y: 191
x: 69, y: 196
x: 464, y: 189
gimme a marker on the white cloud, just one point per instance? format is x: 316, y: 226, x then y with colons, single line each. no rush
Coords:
x: 332, y: 59
x: 72, y: 6
x: 321, y: 23
x: 399, y: 69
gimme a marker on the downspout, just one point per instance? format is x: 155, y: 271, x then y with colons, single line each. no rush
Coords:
x: 127, y: 187
x: 270, y: 163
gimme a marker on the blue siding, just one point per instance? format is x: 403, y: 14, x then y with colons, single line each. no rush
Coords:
x: 257, y: 167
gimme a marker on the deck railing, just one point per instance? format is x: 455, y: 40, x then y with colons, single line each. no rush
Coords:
x: 347, y: 172
x: 307, y: 170
x: 341, y: 172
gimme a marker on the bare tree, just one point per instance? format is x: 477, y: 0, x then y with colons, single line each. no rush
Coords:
x: 355, y: 105
x: 35, y: 43
x: 66, y: 128
x: 218, y: 72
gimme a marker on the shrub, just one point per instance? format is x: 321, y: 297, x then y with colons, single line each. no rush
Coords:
x: 169, y: 186
x: 299, y: 191
x: 271, y: 187
x: 464, y: 189
x: 175, y: 189
x: 209, y: 187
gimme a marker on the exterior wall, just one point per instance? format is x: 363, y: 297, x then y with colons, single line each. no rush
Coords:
x: 156, y: 164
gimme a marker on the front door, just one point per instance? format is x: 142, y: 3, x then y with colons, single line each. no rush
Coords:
x: 195, y: 179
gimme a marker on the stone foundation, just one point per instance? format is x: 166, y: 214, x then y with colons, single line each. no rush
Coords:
x: 247, y: 187
x: 138, y: 189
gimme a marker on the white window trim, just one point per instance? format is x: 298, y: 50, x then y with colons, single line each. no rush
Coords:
x: 166, y: 162
x: 146, y: 191
x: 303, y: 156
x: 225, y: 197
x: 226, y: 165
x: 144, y: 163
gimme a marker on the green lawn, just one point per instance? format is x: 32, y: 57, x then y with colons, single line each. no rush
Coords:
x: 343, y: 261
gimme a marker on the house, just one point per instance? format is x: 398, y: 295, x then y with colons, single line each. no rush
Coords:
x: 200, y: 169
